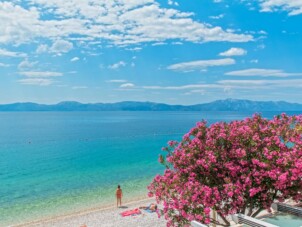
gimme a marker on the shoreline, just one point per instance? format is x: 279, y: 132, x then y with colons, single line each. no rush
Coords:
x: 77, y: 214
x: 109, y: 216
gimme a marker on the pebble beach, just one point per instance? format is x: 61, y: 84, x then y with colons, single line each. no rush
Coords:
x: 104, y: 217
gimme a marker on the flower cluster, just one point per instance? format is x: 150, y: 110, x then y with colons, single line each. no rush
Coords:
x: 241, y: 166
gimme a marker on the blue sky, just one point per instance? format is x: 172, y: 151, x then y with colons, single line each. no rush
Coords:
x: 177, y: 52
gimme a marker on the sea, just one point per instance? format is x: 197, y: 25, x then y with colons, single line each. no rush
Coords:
x: 57, y: 163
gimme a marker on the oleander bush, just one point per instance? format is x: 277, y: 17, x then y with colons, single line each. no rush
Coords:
x: 237, y: 167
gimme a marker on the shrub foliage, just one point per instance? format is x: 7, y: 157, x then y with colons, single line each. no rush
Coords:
x: 241, y: 166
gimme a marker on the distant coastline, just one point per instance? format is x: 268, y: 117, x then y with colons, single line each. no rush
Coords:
x: 219, y: 105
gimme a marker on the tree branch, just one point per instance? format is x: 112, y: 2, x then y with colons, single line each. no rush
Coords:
x: 242, y: 211
x: 275, y: 194
x: 227, y: 223
x: 257, y: 212
x: 251, y: 208
x: 244, y: 207
x: 250, y: 211
x: 217, y: 222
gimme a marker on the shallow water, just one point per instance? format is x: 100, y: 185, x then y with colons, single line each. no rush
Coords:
x: 52, y: 163
x: 285, y: 220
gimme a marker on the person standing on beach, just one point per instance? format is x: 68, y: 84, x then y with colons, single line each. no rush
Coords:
x: 119, y: 195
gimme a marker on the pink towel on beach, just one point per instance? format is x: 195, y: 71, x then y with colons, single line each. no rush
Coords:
x: 131, y: 212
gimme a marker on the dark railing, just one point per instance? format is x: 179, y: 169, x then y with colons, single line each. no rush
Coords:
x: 282, y: 207
x: 253, y: 222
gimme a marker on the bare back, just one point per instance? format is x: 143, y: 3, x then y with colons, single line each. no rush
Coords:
x: 118, y: 193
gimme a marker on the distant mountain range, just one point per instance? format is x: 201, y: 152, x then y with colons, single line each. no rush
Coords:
x: 219, y: 105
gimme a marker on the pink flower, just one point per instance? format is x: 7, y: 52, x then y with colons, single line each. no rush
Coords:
x: 226, y: 165
x: 230, y: 194
x: 207, y: 210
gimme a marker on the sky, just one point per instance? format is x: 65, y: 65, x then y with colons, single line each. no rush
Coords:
x: 176, y: 52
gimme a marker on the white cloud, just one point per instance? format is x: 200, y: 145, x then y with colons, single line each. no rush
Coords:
x: 262, y: 72
x: 243, y: 82
x: 61, y: 46
x: 158, y: 44
x: 6, y: 53
x: 228, y: 85
x: 293, y: 7
x: 260, y: 46
x: 79, y: 87
x: 170, y: 2
x: 117, y: 65
x: 127, y: 85
x: 38, y: 78
x: 134, y: 49
x: 25, y: 64
x: 200, y: 65
x: 217, y: 17
x: 233, y: 52
x: 119, y: 22
x: 224, y: 85
x: 36, y: 81
x: 42, y: 49
x: 74, y: 59
x: 17, y: 23
x: 116, y: 81
x: 262, y: 84
x: 177, y: 43
x: 254, y: 61
x: 183, y: 87
x: 40, y: 74
x: 4, y: 65
x: 198, y: 92
x: 262, y: 32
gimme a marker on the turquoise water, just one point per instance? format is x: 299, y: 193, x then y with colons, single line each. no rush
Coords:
x: 54, y: 163
x: 285, y: 220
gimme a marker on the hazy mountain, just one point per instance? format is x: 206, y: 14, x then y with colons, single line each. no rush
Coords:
x: 248, y: 105
x: 219, y: 105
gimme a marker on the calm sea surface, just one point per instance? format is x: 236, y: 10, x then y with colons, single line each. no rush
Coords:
x: 52, y: 163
